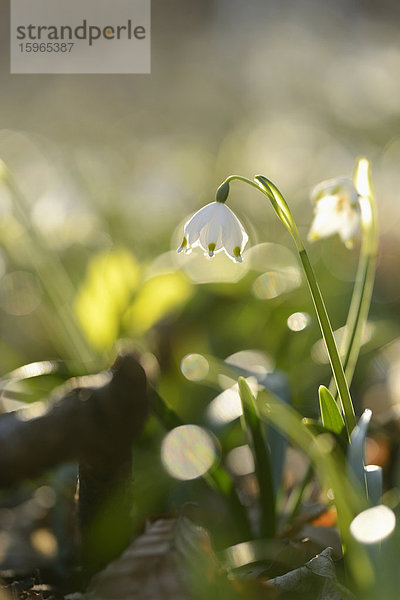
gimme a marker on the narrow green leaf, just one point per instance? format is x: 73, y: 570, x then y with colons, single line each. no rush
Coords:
x: 278, y: 383
x: 329, y: 469
x: 262, y: 462
x: 330, y: 343
x: 330, y: 413
x: 296, y: 497
x: 356, y: 450
x: 328, y: 465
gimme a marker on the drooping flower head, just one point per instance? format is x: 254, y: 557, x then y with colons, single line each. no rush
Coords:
x: 215, y: 228
x: 337, y: 210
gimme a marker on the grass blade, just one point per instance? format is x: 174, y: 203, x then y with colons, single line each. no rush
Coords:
x: 258, y: 444
x: 329, y: 469
x: 355, y: 453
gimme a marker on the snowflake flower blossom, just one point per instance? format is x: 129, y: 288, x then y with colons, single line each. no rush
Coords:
x: 337, y: 210
x: 215, y: 228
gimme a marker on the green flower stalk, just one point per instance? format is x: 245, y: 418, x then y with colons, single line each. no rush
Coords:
x: 203, y: 232
x: 282, y: 210
x: 343, y: 206
x: 365, y: 277
x: 256, y: 439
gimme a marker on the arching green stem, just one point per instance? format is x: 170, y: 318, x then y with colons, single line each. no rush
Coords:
x: 283, y: 212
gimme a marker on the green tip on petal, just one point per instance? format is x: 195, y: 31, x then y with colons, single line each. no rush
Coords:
x: 236, y: 253
x: 211, y: 248
x: 222, y: 192
x: 183, y: 245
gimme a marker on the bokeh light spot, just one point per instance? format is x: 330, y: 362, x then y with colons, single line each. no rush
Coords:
x: 373, y: 525
x: 272, y: 284
x: 240, y: 460
x: 298, y: 321
x: 200, y: 269
x: 44, y: 542
x: 195, y: 367
x: 45, y: 496
x: 20, y: 293
x: 255, y: 362
x: 188, y: 452
x: 318, y: 350
x: 226, y: 407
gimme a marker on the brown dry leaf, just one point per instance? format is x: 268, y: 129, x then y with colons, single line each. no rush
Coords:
x: 4, y: 595
x: 172, y: 560
x: 317, y: 580
x: 147, y: 570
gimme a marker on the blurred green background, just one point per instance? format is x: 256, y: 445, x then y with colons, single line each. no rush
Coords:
x: 108, y: 168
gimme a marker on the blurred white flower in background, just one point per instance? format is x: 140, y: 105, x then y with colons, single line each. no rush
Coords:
x: 337, y: 210
x: 215, y: 228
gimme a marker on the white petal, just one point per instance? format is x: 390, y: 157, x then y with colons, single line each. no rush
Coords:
x: 233, y: 234
x: 351, y: 222
x: 332, y: 187
x: 212, y: 231
x: 322, y: 227
x: 215, y: 224
x: 336, y: 214
x: 196, y: 223
x: 327, y: 204
x: 327, y: 219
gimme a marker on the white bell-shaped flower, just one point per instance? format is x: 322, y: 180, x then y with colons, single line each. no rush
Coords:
x: 337, y: 210
x: 215, y: 228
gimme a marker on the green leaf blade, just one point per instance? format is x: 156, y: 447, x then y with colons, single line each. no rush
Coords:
x: 330, y: 413
x: 262, y: 461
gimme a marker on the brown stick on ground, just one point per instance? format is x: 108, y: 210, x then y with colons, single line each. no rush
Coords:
x: 95, y: 426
